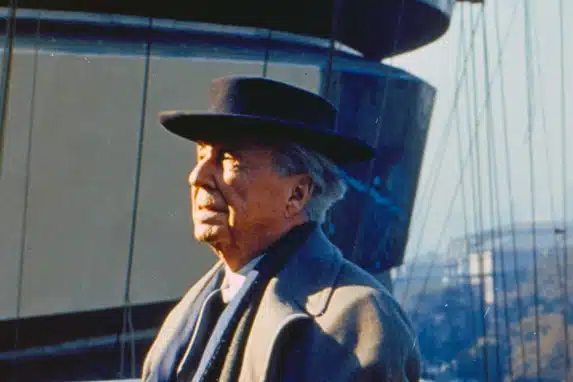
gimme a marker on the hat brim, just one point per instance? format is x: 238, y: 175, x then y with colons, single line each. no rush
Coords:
x: 210, y: 127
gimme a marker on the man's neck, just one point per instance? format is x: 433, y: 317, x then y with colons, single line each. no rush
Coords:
x: 236, y: 257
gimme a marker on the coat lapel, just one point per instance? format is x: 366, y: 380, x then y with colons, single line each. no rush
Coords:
x: 300, y: 291
x: 177, y: 328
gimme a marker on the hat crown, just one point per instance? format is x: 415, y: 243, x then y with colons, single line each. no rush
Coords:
x: 265, y: 98
x: 268, y: 111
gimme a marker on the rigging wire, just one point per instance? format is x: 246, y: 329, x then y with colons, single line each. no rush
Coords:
x: 455, y: 192
x: 445, y: 132
x: 530, y: 123
x: 564, y: 184
x: 553, y: 215
x: 267, y: 53
x: 27, y: 181
x: 127, y: 311
x: 505, y: 128
x: 541, y: 103
x: 450, y: 210
x: 469, y: 117
x: 7, y: 59
x: 537, y: 81
x: 477, y: 173
x: 471, y: 114
x: 494, y: 198
x: 464, y: 199
x: 433, y: 255
x: 436, y: 165
x: 502, y: 254
x: 502, y: 251
x: 495, y: 220
x: 442, y: 235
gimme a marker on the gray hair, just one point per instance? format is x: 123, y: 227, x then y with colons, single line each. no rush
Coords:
x: 329, y: 186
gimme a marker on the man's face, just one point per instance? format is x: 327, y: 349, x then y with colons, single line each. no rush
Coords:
x: 236, y: 194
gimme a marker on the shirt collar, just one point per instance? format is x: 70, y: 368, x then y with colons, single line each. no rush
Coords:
x: 234, y: 279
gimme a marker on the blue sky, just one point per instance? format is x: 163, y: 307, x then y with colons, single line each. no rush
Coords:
x: 437, y: 64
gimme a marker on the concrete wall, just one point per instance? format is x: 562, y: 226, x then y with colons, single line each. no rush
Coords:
x: 84, y: 113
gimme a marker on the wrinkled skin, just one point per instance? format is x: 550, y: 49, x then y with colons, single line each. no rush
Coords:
x: 239, y: 203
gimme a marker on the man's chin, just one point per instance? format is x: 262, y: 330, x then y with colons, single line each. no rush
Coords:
x: 209, y: 233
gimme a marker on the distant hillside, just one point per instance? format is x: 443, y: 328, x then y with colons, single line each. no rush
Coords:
x: 450, y: 325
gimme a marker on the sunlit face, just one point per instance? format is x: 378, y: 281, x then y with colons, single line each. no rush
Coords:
x: 236, y: 194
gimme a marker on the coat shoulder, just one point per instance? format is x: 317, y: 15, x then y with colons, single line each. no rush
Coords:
x: 356, y: 289
x: 362, y: 330
x: 368, y: 322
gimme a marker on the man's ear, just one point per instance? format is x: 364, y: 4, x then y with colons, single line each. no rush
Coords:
x: 301, y: 192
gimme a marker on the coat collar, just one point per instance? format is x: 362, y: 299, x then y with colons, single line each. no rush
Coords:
x: 301, y: 290
x: 306, y: 280
x: 177, y: 328
x: 304, y: 284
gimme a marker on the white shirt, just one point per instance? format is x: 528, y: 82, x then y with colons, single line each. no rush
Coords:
x: 234, y: 280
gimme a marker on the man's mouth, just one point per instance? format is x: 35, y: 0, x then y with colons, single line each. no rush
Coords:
x: 211, y: 208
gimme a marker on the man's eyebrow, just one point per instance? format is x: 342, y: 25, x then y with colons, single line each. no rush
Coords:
x: 236, y: 146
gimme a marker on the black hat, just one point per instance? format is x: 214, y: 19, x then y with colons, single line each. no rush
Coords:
x: 264, y: 110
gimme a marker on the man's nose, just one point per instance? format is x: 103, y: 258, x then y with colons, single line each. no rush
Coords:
x: 202, y: 175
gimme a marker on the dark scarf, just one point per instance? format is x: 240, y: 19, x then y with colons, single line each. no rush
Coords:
x: 223, y: 354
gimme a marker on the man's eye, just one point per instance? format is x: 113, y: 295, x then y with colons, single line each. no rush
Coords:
x: 229, y: 155
x: 202, y: 154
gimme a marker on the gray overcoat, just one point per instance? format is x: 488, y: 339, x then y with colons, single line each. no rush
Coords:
x: 321, y: 318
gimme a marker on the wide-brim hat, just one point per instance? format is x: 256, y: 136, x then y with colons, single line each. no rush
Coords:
x: 267, y: 111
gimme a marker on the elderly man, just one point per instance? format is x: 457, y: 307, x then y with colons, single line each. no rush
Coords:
x: 282, y: 304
